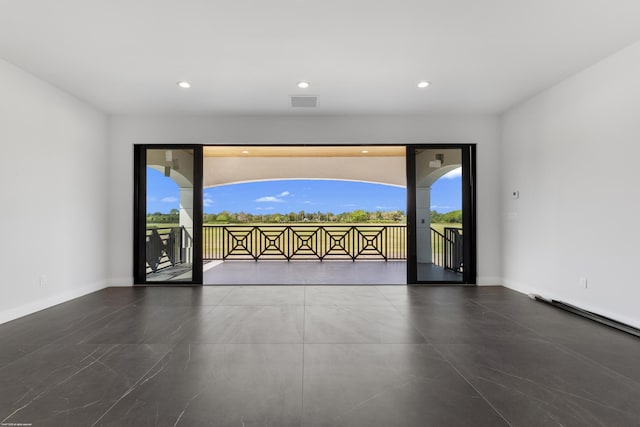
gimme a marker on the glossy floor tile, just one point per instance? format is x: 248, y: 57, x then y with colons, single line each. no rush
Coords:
x: 138, y: 324
x: 370, y: 324
x: 388, y: 385
x: 184, y: 296
x: 534, y: 381
x: 346, y: 296
x: 465, y: 322
x: 264, y: 295
x: 72, y: 385
x: 315, y: 356
x: 219, y: 385
x: 243, y: 324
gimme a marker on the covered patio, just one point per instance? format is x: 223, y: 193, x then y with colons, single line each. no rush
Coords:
x: 300, y: 252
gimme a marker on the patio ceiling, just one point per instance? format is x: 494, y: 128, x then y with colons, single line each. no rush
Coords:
x: 305, y: 151
x: 235, y: 164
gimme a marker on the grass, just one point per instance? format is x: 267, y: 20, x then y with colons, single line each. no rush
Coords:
x: 161, y: 226
x: 439, y: 227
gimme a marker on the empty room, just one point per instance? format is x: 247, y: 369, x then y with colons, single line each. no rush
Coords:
x: 297, y: 213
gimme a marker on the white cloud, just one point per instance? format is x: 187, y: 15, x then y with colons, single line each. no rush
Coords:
x: 269, y: 199
x: 456, y: 173
x: 276, y: 198
x: 266, y: 209
x: 386, y: 207
x: 169, y: 199
x: 207, y: 202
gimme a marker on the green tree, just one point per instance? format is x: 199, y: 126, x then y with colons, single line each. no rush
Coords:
x: 359, y: 215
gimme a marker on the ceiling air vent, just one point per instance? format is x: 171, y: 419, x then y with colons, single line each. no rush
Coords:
x: 309, y: 101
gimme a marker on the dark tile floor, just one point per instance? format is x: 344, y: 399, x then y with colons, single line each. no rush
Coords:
x: 315, y: 356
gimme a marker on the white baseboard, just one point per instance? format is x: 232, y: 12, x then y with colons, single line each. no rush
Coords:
x: 525, y: 289
x: 34, y: 306
x: 520, y: 287
x: 117, y: 282
x: 489, y: 281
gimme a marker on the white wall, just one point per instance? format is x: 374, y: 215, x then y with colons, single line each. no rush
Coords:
x: 126, y: 131
x: 54, y: 204
x: 573, y: 153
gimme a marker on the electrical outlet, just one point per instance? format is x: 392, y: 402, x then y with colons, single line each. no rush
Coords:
x: 583, y: 282
x: 43, y: 279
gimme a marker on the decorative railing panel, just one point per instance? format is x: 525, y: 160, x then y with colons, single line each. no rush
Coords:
x: 164, y: 248
x: 447, y: 248
x: 454, y: 254
x: 304, y: 242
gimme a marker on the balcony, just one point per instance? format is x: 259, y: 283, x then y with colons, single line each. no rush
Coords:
x: 302, y: 253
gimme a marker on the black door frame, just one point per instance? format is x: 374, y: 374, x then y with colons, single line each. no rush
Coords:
x: 140, y: 213
x: 468, y: 213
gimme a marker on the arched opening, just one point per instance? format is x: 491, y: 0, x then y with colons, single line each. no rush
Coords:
x: 304, y: 206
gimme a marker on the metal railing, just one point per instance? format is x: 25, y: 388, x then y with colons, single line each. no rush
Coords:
x: 164, y: 247
x: 447, y: 248
x: 304, y: 242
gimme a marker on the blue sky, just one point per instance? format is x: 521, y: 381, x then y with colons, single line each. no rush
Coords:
x: 267, y: 197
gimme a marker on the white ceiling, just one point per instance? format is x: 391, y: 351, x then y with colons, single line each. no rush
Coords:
x: 360, y: 56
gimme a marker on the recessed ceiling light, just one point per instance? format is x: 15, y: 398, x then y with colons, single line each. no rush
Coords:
x: 423, y: 84
x: 364, y: 151
x: 184, y: 85
x: 245, y: 152
x: 303, y: 85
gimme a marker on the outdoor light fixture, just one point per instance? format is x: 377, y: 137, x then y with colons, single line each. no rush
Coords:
x: 423, y: 84
x: 364, y: 151
x: 303, y: 85
x: 184, y: 84
x: 437, y: 162
x: 170, y: 163
x: 245, y: 152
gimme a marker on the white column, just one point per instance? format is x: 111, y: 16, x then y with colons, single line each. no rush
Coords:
x: 423, y: 226
x: 186, y: 221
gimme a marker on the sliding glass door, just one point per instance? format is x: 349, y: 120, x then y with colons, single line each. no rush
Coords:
x: 168, y: 214
x: 441, y: 214
x: 168, y: 217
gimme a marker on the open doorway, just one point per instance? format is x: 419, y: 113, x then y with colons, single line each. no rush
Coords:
x: 304, y: 215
